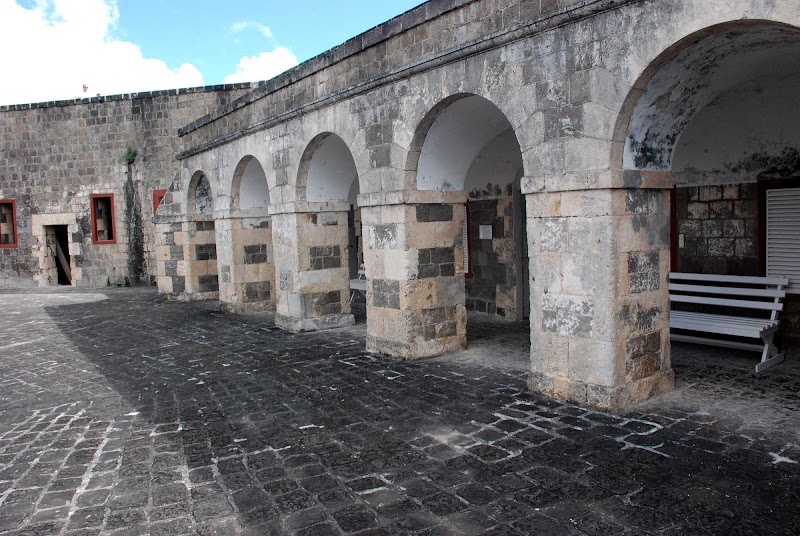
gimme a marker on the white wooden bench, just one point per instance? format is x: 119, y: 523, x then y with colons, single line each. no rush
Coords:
x: 729, y: 291
x: 359, y: 284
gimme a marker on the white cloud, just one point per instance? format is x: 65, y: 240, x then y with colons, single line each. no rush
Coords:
x: 52, y: 50
x: 262, y: 67
x: 238, y: 27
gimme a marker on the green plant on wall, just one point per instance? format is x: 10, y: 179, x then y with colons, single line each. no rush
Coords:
x: 130, y: 155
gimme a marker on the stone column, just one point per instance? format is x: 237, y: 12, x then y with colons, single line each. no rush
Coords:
x: 313, y: 283
x: 224, y: 227
x: 246, y: 266
x: 200, y: 252
x: 599, y: 260
x: 170, y: 238
x: 414, y: 261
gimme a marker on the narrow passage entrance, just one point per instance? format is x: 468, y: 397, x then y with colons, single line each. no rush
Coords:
x: 60, y: 270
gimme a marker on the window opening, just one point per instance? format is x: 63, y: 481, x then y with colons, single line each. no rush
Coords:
x: 158, y: 197
x: 8, y: 223
x: 103, y: 219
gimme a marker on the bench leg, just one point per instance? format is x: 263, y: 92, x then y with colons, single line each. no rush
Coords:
x: 769, y: 356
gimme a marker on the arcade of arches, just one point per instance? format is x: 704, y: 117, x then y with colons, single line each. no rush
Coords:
x: 532, y: 178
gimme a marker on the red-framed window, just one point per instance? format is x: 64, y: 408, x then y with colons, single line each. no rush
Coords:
x: 158, y: 196
x: 8, y: 223
x: 103, y: 228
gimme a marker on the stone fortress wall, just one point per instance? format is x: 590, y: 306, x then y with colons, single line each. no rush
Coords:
x: 54, y: 155
x: 566, y: 124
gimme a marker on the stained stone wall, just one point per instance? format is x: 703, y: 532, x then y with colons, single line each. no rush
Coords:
x: 719, y: 225
x: 596, y: 94
x: 54, y: 155
x: 492, y: 288
x: 576, y: 82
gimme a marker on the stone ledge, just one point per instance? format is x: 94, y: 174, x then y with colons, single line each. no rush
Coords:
x: 303, y: 207
x: 598, y: 180
x: 412, y: 197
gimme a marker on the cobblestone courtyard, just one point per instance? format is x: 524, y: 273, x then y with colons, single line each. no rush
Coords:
x: 124, y: 414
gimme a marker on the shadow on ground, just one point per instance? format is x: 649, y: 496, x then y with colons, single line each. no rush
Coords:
x: 121, y: 413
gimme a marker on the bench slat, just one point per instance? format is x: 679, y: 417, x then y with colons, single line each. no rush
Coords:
x: 700, y: 289
x: 747, y: 280
x: 723, y: 318
x: 744, y: 304
x: 736, y: 331
x: 717, y: 342
x: 761, y: 292
x: 694, y: 321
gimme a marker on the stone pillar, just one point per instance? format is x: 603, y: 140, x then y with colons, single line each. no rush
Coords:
x: 245, y: 257
x: 414, y: 261
x: 224, y: 227
x: 313, y: 283
x: 170, y: 238
x: 599, y: 261
x: 200, y: 252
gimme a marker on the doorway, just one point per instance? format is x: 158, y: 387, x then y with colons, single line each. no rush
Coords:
x: 58, y: 262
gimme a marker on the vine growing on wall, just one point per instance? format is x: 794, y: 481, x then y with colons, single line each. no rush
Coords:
x: 136, y: 259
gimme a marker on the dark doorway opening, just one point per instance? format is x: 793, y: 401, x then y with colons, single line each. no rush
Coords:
x: 58, y: 246
x: 355, y: 257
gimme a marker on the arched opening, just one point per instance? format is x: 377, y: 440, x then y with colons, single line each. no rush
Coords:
x: 467, y: 144
x: 251, y: 190
x: 332, y: 176
x: 201, y: 201
x: 719, y: 112
x: 247, y: 269
x: 329, y: 169
x: 201, y: 245
x: 329, y: 233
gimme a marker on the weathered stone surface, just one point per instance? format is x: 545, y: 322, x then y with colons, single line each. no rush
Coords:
x: 259, y: 428
x: 598, y: 97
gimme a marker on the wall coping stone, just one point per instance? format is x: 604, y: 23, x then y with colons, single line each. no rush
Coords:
x: 125, y: 96
x: 578, y: 10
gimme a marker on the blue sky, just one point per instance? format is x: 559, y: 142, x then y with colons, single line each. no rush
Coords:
x: 117, y: 46
x: 200, y: 32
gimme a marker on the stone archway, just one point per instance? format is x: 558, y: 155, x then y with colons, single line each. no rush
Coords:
x: 312, y: 239
x: 202, y: 278
x: 246, y: 259
x: 471, y: 147
x: 420, y: 251
x: 716, y: 114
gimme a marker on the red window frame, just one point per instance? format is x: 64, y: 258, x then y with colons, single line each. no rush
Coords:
x: 13, y: 204
x: 158, y: 196
x: 93, y: 208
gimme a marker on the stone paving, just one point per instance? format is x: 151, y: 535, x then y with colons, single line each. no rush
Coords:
x: 124, y: 414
